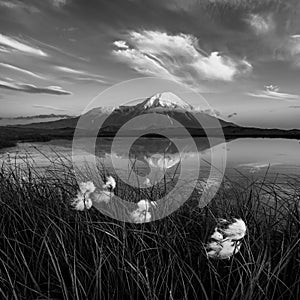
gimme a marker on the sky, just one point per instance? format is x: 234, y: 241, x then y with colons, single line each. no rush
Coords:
x: 242, y: 56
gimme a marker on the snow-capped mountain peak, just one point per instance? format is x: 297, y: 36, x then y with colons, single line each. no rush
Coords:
x: 166, y: 100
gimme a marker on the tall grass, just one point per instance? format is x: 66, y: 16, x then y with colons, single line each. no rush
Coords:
x: 49, y: 251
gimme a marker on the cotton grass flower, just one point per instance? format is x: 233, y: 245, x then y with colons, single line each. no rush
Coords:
x: 87, y: 187
x: 87, y: 196
x: 147, y: 182
x: 81, y: 203
x: 226, y: 239
x: 138, y: 216
x: 217, y: 236
x: 234, y: 231
x: 110, y: 183
x: 145, y: 205
x: 224, y: 249
x: 107, y: 193
x: 142, y: 214
x: 83, y: 200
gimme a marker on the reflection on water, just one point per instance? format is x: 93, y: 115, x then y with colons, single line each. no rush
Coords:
x: 163, y: 162
x: 252, y: 157
x: 257, y: 156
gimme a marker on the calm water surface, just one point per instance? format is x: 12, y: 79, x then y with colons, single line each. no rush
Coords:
x: 248, y: 156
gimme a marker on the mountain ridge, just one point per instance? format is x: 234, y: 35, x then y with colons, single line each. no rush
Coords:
x: 161, y: 103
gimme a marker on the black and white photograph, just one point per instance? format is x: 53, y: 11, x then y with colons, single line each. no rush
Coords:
x: 150, y: 149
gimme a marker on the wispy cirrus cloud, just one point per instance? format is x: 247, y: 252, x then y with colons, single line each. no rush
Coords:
x: 192, y: 5
x: 54, y: 108
x: 289, y: 50
x: 18, y: 69
x: 69, y: 70
x: 8, y: 4
x: 81, y: 75
x: 9, y: 43
x: 18, y: 5
x: 177, y: 57
x: 3, y: 50
x: 59, y: 3
x: 57, y: 49
x: 32, y: 89
x: 92, y: 79
x: 272, y: 92
x: 261, y: 24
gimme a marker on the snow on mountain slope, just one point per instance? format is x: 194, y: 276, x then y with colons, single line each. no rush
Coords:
x: 165, y: 100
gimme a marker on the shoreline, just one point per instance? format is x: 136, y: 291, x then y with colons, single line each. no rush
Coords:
x: 11, y: 135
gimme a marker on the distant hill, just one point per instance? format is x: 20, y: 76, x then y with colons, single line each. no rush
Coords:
x: 23, y: 120
x: 43, y: 116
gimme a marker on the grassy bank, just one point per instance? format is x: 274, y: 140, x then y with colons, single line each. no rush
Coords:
x: 49, y: 250
x: 7, y: 144
x: 11, y: 135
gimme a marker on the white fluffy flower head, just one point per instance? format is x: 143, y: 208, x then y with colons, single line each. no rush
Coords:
x: 142, y: 214
x: 223, y: 249
x: 138, y: 216
x: 234, y: 231
x: 87, y: 187
x: 83, y: 200
x: 145, y: 205
x: 110, y: 183
x: 226, y: 239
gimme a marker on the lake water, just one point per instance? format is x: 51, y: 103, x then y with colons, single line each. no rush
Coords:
x: 248, y: 156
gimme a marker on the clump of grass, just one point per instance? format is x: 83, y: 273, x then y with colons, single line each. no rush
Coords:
x: 48, y: 250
